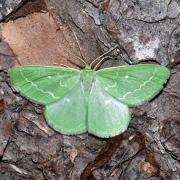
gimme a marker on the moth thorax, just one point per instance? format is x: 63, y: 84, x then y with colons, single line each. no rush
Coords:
x: 87, y: 80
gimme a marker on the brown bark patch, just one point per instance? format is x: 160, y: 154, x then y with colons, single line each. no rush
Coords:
x: 37, y: 40
x: 2, y: 104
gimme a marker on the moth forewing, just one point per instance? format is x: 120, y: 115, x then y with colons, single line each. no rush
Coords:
x: 135, y: 84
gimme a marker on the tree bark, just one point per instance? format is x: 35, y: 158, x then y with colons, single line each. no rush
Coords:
x: 145, y: 32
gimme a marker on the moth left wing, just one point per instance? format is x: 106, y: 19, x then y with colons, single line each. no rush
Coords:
x: 135, y: 84
x: 43, y: 84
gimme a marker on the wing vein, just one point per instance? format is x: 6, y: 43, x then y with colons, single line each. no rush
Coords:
x: 37, y: 87
x: 140, y: 87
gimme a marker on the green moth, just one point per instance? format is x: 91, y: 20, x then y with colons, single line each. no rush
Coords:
x: 97, y: 102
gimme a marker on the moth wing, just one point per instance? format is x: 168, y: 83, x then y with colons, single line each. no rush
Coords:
x: 107, y: 116
x: 135, y: 84
x: 69, y: 114
x: 43, y: 84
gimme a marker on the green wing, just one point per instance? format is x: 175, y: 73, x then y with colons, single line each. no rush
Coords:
x: 107, y: 116
x: 135, y: 84
x: 43, y: 84
x: 69, y: 114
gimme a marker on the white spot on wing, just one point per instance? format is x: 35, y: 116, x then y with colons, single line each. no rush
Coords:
x: 67, y: 99
x: 107, y: 102
x: 106, y: 88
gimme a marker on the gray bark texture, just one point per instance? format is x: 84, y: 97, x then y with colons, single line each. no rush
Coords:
x: 146, y: 32
x: 9, y: 6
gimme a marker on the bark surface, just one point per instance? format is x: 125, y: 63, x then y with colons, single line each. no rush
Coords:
x: 39, y: 32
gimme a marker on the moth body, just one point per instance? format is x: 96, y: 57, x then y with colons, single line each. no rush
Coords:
x: 87, y: 79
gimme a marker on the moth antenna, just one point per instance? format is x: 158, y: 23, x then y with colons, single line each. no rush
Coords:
x: 112, y: 49
x: 79, y: 47
x: 18, y: 61
x: 74, y: 56
x: 78, y: 65
x: 100, y: 62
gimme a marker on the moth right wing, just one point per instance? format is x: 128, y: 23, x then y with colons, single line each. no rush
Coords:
x: 43, y: 84
x: 134, y: 84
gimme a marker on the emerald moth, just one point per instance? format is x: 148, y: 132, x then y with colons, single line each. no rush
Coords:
x: 88, y: 100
